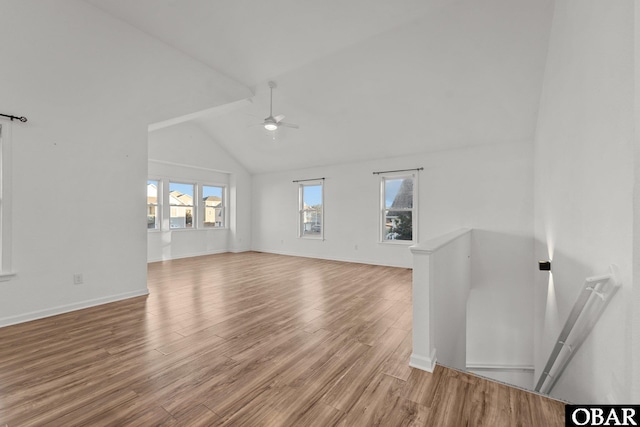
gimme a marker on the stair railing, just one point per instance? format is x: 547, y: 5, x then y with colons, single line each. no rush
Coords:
x: 591, y: 302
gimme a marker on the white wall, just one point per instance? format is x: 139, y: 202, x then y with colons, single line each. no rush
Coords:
x: 89, y: 85
x: 499, y: 332
x: 452, y: 283
x: 186, y: 153
x: 635, y: 352
x: 441, y: 285
x: 486, y: 188
x: 584, y: 176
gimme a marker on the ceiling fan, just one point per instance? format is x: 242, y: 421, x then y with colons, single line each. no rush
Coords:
x: 272, y: 123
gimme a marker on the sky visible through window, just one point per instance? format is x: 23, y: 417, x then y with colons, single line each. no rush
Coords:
x: 182, y: 188
x: 313, y: 195
x: 211, y: 191
x: 152, y: 188
x: 188, y: 189
x: 391, y: 190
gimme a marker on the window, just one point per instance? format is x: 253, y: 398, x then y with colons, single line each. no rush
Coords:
x: 190, y: 205
x: 213, y: 202
x: 311, y: 210
x: 5, y: 201
x: 398, y: 212
x: 153, y: 197
x: 181, y: 197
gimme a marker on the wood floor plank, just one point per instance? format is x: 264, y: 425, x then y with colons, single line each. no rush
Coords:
x: 258, y: 375
x: 317, y: 415
x: 299, y: 389
x: 346, y: 392
x: 94, y: 410
x: 421, y: 387
x: 374, y: 402
x: 397, y: 365
x: 247, y: 339
x: 450, y: 406
x: 198, y: 416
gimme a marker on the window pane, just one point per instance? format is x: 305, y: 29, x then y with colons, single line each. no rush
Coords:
x: 312, y: 221
x: 152, y: 218
x: 213, y: 217
x: 398, y: 225
x: 152, y: 204
x: 181, y: 201
x: 181, y: 217
x: 213, y: 207
x: 209, y: 191
x: 181, y: 194
x: 152, y: 192
x: 311, y: 210
x: 398, y: 193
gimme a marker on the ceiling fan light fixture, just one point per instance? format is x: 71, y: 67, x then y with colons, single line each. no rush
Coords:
x: 272, y: 123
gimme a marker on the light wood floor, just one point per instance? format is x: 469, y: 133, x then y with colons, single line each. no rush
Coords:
x: 247, y: 340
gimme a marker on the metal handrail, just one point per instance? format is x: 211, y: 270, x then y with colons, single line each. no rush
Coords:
x: 593, y: 286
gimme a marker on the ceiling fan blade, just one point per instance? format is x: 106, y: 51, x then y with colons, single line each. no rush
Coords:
x: 279, y: 118
x: 289, y: 125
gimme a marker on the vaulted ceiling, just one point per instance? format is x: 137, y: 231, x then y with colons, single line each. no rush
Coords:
x: 364, y: 79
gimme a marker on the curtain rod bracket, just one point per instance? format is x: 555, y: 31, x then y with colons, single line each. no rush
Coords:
x: 22, y: 119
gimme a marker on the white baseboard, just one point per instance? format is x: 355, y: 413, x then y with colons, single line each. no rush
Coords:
x: 423, y: 363
x: 239, y: 250
x: 187, y: 255
x: 40, y: 314
x: 330, y: 258
x: 499, y: 367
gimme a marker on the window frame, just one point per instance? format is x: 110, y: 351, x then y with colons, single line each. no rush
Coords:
x: 223, y: 205
x: 301, y: 185
x: 159, y: 204
x: 6, y: 176
x: 383, y: 177
x: 163, y: 207
x: 193, y: 206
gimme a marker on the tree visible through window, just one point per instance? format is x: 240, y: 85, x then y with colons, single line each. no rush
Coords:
x: 397, y: 216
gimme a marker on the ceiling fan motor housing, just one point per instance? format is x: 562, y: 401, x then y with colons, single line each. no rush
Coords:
x: 270, y: 123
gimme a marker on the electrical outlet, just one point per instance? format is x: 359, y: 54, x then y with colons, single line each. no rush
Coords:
x: 77, y: 279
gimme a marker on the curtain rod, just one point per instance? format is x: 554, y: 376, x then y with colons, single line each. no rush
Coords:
x: 311, y: 179
x: 399, y: 170
x: 22, y: 119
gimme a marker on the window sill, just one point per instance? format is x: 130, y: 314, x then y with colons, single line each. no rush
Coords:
x: 5, y: 277
x: 157, y: 230
x: 398, y: 242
